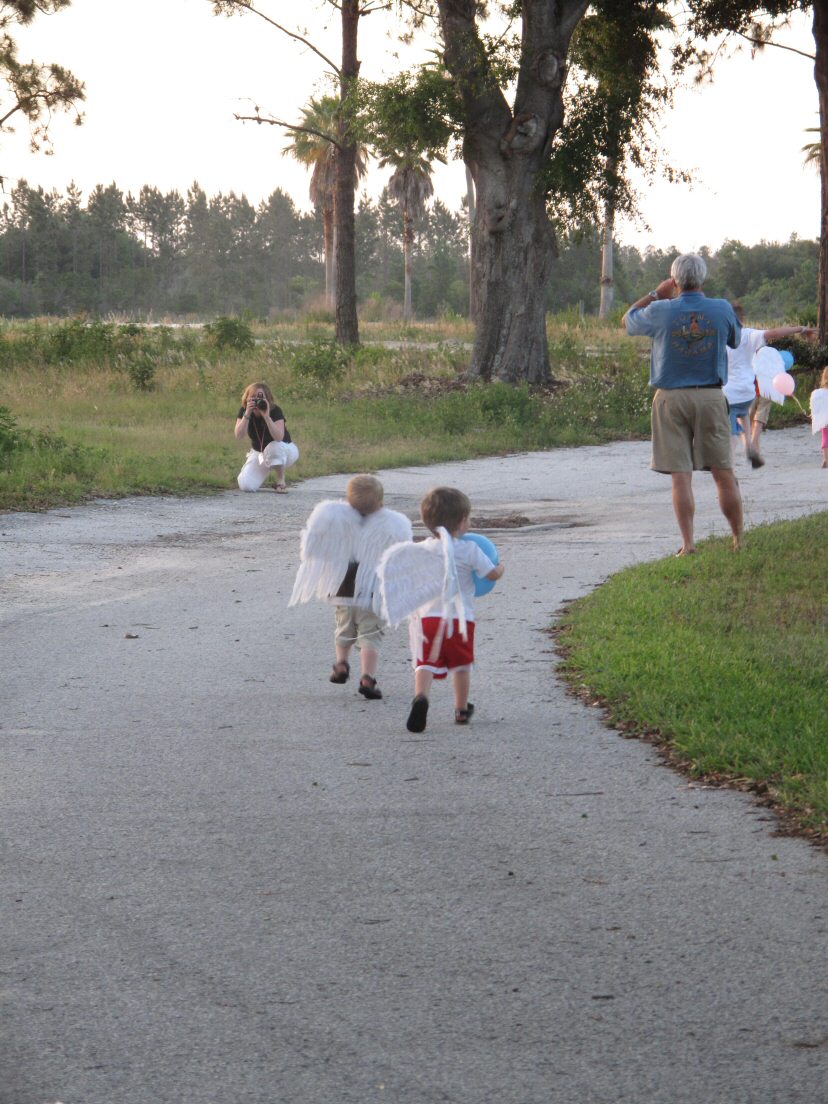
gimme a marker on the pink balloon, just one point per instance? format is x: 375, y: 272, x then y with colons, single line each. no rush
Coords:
x: 784, y: 383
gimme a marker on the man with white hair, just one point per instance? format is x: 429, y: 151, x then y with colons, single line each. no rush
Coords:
x: 688, y: 367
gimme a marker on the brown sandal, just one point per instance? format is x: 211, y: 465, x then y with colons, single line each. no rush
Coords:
x: 369, y: 689
x: 340, y: 672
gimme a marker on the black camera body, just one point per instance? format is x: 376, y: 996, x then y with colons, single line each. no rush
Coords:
x: 261, y: 404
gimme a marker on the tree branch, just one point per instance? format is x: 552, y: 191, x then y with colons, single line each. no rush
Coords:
x: 778, y: 45
x: 258, y: 118
x: 291, y: 34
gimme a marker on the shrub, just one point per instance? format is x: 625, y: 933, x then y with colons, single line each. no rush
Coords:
x: 9, y: 434
x: 321, y: 361
x: 230, y: 333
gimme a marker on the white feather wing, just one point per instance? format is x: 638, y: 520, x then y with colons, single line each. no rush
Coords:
x: 766, y: 364
x: 410, y: 576
x: 819, y: 409
x: 377, y: 532
x: 328, y: 544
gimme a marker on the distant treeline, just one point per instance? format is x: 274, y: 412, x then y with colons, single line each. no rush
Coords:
x: 168, y: 254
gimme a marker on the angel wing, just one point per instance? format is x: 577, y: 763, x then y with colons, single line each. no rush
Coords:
x: 377, y: 532
x: 819, y: 409
x: 328, y: 545
x: 410, y: 576
x: 766, y: 364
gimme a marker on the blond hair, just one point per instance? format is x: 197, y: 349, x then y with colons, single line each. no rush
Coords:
x: 445, y: 506
x: 251, y: 390
x: 823, y: 379
x: 365, y: 493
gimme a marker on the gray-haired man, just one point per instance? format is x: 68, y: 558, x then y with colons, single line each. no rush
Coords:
x: 688, y: 366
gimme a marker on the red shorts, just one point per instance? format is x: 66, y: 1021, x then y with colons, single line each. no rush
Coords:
x: 454, y: 652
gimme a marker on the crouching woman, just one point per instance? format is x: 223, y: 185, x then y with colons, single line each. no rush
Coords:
x: 263, y: 422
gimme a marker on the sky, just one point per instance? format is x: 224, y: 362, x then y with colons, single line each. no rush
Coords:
x: 164, y: 79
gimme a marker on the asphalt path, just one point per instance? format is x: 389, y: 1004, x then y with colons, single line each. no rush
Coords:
x: 227, y: 881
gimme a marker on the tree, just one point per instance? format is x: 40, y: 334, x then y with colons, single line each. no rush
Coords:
x: 506, y: 147
x: 314, y: 145
x: 613, y: 95
x: 411, y: 188
x: 346, y: 144
x: 756, y: 24
x: 29, y: 89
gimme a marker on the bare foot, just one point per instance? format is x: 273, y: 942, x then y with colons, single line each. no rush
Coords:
x: 686, y: 551
x: 736, y: 544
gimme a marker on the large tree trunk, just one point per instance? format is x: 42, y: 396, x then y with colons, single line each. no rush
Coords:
x: 607, y: 279
x: 821, y: 78
x: 347, y: 327
x: 512, y: 239
x: 513, y: 246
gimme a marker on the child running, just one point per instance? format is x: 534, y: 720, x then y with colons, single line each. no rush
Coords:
x: 342, y: 543
x: 441, y: 643
x: 819, y: 413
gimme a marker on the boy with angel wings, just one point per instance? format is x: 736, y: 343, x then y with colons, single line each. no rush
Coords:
x: 341, y: 546
x: 433, y: 583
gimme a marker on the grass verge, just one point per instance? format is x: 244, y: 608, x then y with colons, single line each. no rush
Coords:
x: 721, y: 660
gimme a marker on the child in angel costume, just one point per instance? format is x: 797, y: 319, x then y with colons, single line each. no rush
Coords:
x: 433, y: 583
x: 819, y: 413
x: 341, y: 546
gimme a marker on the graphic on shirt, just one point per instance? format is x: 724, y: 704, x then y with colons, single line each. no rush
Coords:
x: 695, y: 335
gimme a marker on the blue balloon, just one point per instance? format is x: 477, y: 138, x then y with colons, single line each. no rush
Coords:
x: 787, y: 357
x: 482, y: 585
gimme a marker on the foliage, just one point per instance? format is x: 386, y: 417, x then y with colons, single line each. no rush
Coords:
x: 9, y: 435
x: 614, y: 93
x: 413, y: 111
x: 230, y: 333
x: 320, y: 361
x: 33, y: 90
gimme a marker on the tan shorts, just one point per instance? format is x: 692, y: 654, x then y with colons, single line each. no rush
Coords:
x: 355, y: 625
x: 760, y: 411
x: 691, y: 430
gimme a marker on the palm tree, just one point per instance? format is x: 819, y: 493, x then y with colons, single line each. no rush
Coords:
x: 813, y: 150
x: 410, y: 187
x: 315, y: 145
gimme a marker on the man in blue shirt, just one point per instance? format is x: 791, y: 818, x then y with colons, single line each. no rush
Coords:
x: 688, y: 366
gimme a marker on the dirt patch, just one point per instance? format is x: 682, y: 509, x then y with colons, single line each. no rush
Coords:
x: 507, y: 521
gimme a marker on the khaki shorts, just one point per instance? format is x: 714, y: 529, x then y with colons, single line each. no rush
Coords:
x: 691, y: 430
x: 760, y: 411
x: 355, y: 625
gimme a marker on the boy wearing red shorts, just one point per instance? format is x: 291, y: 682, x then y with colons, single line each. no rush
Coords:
x: 443, y: 645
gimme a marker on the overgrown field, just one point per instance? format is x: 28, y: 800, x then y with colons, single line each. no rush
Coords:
x: 100, y: 409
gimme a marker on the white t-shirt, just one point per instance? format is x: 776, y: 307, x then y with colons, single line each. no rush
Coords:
x: 740, y: 386
x: 468, y: 557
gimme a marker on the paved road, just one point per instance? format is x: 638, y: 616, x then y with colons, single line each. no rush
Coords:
x: 228, y: 881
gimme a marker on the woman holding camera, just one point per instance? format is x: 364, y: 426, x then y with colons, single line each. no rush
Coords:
x: 263, y: 422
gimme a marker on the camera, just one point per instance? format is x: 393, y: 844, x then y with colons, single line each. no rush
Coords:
x: 261, y: 404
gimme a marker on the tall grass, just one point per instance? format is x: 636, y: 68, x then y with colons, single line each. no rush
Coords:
x: 109, y: 410
x: 721, y: 658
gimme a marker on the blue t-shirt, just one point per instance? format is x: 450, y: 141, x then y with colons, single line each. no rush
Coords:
x: 690, y: 338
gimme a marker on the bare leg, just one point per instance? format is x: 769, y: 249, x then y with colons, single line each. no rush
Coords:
x: 730, y: 502
x: 370, y: 661
x: 684, y: 506
x: 825, y: 458
x: 755, y: 434
x: 462, y: 682
x: 422, y: 682
x: 279, y: 471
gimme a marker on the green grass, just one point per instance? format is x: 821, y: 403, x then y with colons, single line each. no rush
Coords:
x: 111, y: 410
x: 722, y: 659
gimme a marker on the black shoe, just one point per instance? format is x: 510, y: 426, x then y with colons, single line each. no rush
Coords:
x: 369, y: 689
x: 341, y: 671
x: 463, y: 716
x: 417, y: 717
